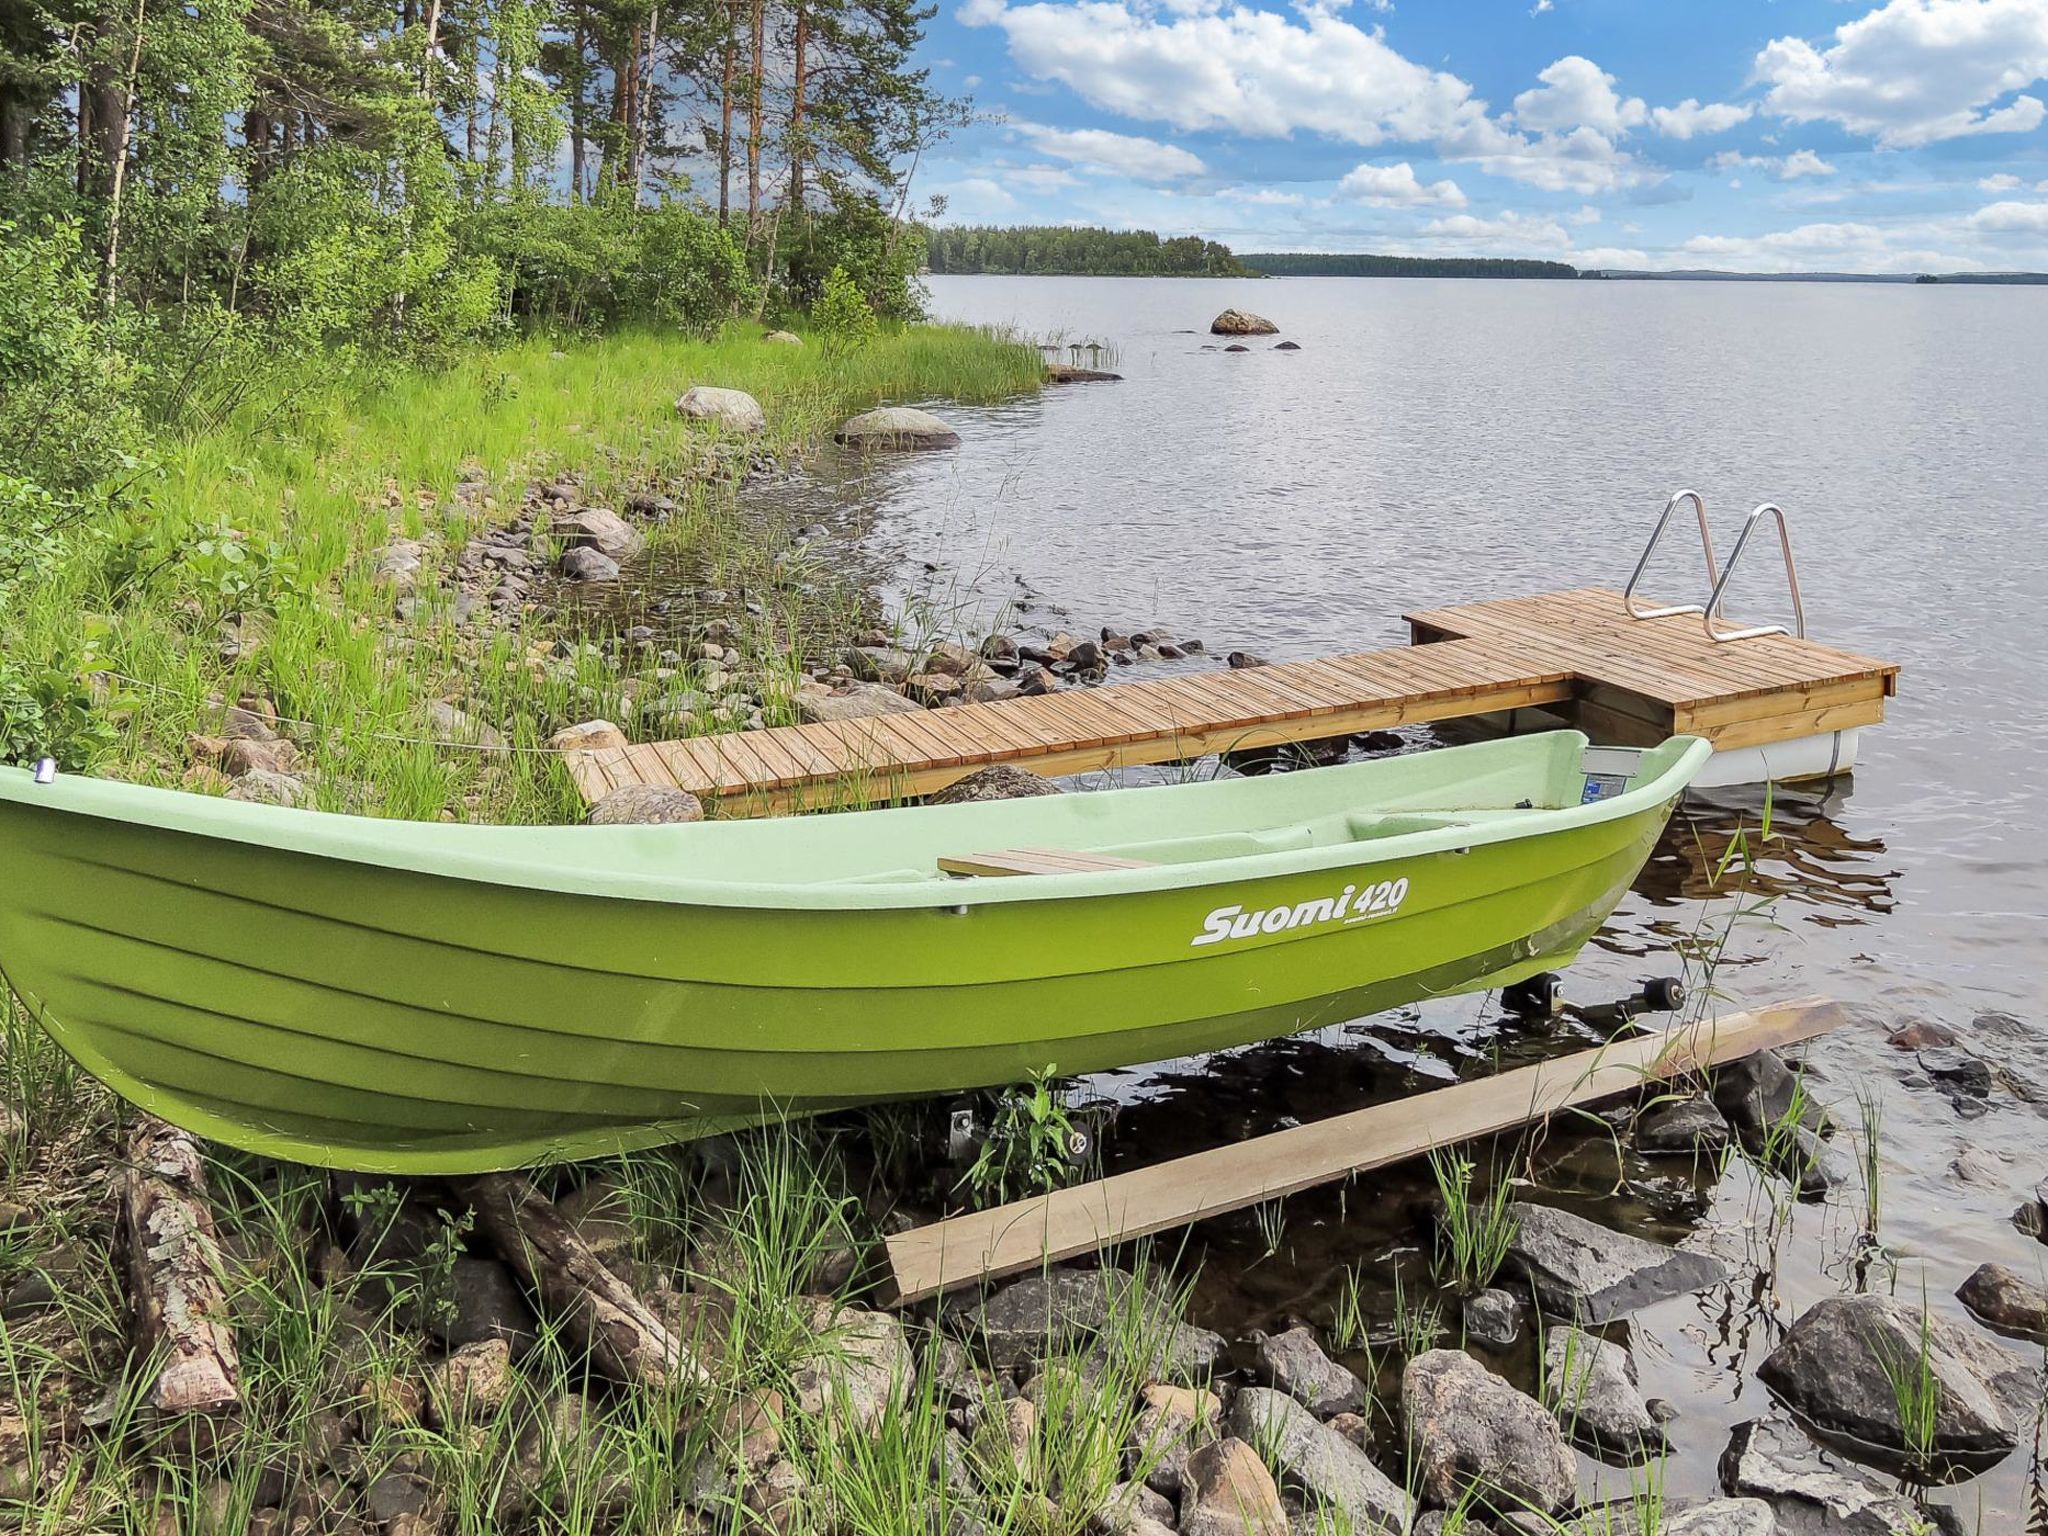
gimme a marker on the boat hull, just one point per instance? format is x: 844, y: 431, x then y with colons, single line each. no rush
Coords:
x: 366, y: 1016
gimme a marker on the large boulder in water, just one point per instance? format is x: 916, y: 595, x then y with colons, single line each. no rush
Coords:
x: 1242, y: 322
x: 1840, y: 1362
x: 733, y: 409
x: 601, y: 529
x: 1593, y: 1275
x: 896, y: 426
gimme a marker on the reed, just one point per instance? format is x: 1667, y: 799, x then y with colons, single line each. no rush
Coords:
x: 1475, y: 1230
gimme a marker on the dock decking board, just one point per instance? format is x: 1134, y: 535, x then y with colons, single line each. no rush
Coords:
x: 1630, y: 680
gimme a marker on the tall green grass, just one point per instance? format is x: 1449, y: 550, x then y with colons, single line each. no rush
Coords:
x: 271, y: 520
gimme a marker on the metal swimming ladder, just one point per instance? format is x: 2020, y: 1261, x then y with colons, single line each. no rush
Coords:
x: 1717, y: 576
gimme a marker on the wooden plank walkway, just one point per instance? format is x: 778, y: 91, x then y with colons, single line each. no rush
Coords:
x: 1045, y: 1229
x: 1623, y: 681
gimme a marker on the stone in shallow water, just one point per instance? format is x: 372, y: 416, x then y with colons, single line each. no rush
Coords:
x: 896, y: 426
x: 601, y: 529
x: 586, y: 564
x: 1493, y: 1317
x: 1594, y: 1275
x: 2006, y: 1299
x: 1317, y: 1462
x: 1691, y: 1125
x: 1294, y: 1363
x: 1721, y: 1517
x: 1242, y: 322
x: 1809, y: 1493
x: 1591, y: 1385
x: 1836, y: 1367
x: 1468, y: 1429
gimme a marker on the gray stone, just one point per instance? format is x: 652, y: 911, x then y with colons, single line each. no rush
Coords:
x: 601, y: 529
x: 1493, y: 1317
x: 783, y: 338
x: 1468, y: 1429
x: 646, y: 805
x: 857, y: 1370
x: 1593, y: 1275
x: 880, y: 663
x: 1836, y: 1364
x: 1294, y: 1363
x: 1128, y: 1508
x: 1242, y: 322
x: 1314, y: 1461
x: 1721, y: 1517
x: 2006, y: 1300
x: 1590, y: 1383
x: 896, y: 426
x: 998, y: 781
x: 1808, y: 1492
x: 586, y: 564
x: 1759, y: 1092
x: 1690, y: 1125
x: 1171, y: 1422
x: 452, y: 723
x: 260, y: 786
x: 732, y: 409
x: 857, y: 702
x: 1034, y: 1317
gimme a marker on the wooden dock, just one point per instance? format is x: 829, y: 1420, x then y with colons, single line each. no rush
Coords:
x: 1576, y: 654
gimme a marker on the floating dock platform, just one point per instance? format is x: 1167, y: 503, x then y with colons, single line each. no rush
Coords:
x: 1775, y: 706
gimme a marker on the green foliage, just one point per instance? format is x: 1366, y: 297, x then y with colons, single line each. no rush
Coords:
x: 1086, y: 252
x: 1476, y: 1230
x: 1030, y: 1145
x: 841, y: 314
x: 1357, y: 264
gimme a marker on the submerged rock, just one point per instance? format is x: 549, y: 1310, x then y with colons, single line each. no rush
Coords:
x: 2006, y: 1300
x: 1493, y: 1317
x: 587, y: 564
x: 1591, y: 1274
x: 601, y: 529
x: 733, y: 409
x: 1837, y: 1363
x: 1286, y: 346
x: 1294, y: 1363
x: 1591, y: 1385
x: 1327, y: 1470
x: 1809, y: 1493
x: 1242, y: 322
x: 896, y: 426
x: 1690, y: 1125
x: 1760, y: 1091
x: 998, y: 781
x: 646, y: 805
x: 1468, y: 1429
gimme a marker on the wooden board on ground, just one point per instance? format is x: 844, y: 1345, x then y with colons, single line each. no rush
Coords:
x: 1577, y: 653
x: 1088, y: 1217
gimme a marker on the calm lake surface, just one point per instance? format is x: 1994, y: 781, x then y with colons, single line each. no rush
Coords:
x: 1438, y: 441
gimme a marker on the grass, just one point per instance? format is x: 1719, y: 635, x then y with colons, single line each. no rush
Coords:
x: 1916, y: 1390
x: 270, y: 522
x: 1475, y: 1230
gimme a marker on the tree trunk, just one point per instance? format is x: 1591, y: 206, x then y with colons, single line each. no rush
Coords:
x: 798, y: 62
x: 577, y: 181
x: 118, y: 154
x: 623, y: 1336
x: 756, y: 79
x: 643, y: 104
x: 729, y: 72
x: 180, y: 1313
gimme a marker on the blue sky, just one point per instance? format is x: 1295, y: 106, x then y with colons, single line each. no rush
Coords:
x: 1800, y: 135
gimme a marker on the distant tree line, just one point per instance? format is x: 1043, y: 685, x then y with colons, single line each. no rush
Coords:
x: 1320, y: 264
x: 1056, y: 250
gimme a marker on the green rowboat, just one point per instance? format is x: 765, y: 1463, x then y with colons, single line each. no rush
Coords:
x: 405, y: 997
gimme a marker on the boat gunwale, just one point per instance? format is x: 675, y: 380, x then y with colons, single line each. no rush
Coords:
x: 380, y: 843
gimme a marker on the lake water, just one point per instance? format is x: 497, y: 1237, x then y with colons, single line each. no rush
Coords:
x: 1438, y: 441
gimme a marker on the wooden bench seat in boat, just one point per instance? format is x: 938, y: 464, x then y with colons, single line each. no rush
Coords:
x: 1034, y: 861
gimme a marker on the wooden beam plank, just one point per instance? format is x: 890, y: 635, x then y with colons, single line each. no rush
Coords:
x: 1025, y: 1234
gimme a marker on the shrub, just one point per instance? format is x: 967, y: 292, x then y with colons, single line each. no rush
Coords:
x: 842, y: 314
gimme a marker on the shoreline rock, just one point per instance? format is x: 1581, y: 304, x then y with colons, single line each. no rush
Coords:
x: 1242, y: 322
x: 895, y: 427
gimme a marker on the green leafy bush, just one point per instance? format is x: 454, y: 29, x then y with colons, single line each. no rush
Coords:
x: 842, y: 314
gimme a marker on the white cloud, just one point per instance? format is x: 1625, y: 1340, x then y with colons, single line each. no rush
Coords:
x: 1509, y: 229
x: 2002, y: 182
x: 1601, y: 257
x: 1582, y: 161
x: 2012, y: 218
x: 1801, y: 162
x: 1690, y: 119
x: 1577, y: 93
x: 1263, y: 197
x: 1541, y: 6
x: 1916, y: 72
x: 1119, y: 154
x: 1041, y: 178
x: 1391, y: 186
x: 1249, y: 71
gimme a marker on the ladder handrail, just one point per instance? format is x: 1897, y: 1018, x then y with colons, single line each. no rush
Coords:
x: 1734, y: 558
x: 1628, y: 595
